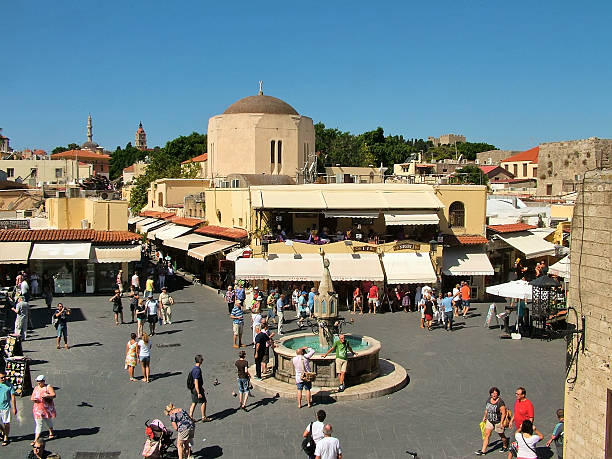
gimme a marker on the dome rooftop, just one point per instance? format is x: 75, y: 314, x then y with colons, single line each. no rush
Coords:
x: 90, y: 146
x: 261, y: 104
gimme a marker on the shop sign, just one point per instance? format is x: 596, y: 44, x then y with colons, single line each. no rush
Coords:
x: 14, y: 224
x: 407, y: 246
x: 364, y: 248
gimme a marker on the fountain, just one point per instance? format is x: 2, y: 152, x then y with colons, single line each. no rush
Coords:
x: 362, y: 367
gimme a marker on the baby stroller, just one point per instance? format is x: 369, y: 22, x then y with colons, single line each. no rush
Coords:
x: 159, y: 440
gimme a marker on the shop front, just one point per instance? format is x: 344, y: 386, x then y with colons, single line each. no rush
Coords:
x: 465, y: 263
x: 66, y: 262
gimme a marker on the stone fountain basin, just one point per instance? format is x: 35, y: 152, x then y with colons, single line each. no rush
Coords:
x: 360, y: 369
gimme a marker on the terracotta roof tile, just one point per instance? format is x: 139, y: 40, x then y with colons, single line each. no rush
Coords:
x: 510, y: 228
x: 156, y: 214
x: 197, y: 159
x: 185, y: 221
x: 229, y: 233
x: 81, y: 154
x: 487, y: 169
x: 527, y: 155
x: 129, y: 168
x: 55, y: 235
x: 465, y: 239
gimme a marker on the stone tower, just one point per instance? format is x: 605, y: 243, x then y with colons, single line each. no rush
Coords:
x: 326, y: 306
x: 89, y: 129
x: 141, y: 138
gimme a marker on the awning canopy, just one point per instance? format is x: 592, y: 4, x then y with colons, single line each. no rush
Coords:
x: 116, y: 254
x: 133, y: 220
x: 208, y: 249
x: 408, y: 268
x: 529, y: 244
x: 152, y: 234
x: 145, y: 222
x: 294, y: 267
x: 351, y: 214
x: 354, y: 267
x: 251, y: 268
x: 171, y: 232
x: 561, y: 268
x: 61, y: 251
x: 14, y: 252
x: 466, y: 261
x: 236, y: 253
x: 188, y: 241
x: 414, y: 217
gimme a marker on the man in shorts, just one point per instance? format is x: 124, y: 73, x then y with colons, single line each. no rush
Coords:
x: 197, y: 393
x: 373, y: 298
x: 237, y: 317
x: 465, y: 298
x: 342, y: 347
x: 7, y: 398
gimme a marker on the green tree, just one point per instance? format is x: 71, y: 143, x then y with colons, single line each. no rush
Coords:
x: 71, y: 146
x: 471, y: 174
x: 124, y: 157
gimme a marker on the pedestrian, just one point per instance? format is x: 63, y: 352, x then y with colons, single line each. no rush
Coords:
x: 526, y: 438
x: 61, y: 324
x: 328, y: 447
x: 465, y: 298
x: 24, y: 287
x: 303, y: 311
x: 406, y: 301
x: 7, y: 400
x: 440, y: 309
x: 141, y: 315
x: 21, y: 320
x: 271, y: 306
x: 301, y: 363
x: 185, y: 428
x: 230, y: 298
x: 280, y: 312
x: 315, y: 429
x: 134, y: 305
x: 135, y: 283
x: 197, y: 392
x: 523, y: 408
x: 131, y: 355
x: 494, y: 417
x: 149, y: 285
x: 428, y: 311
x: 44, y: 407
x: 357, y: 301
x: 373, y: 298
x: 311, y: 297
x: 557, y: 434
x: 256, y: 320
x: 152, y: 310
x: 342, y: 348
x: 144, y: 355
x: 39, y: 451
x: 295, y: 297
x: 117, y: 306
x: 165, y: 304
x: 161, y: 277
x: 456, y: 300
x: 261, y: 340
x: 447, y: 305
x: 240, y: 294
x: 237, y: 317
x: 119, y: 281
x: 48, y: 287
x: 244, y: 379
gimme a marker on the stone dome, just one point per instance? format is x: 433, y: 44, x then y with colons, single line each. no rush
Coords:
x: 93, y: 146
x: 261, y: 104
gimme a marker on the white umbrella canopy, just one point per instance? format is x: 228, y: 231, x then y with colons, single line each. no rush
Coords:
x: 513, y: 289
x: 561, y: 268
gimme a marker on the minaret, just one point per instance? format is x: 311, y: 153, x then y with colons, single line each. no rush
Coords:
x: 89, y: 128
x: 141, y: 138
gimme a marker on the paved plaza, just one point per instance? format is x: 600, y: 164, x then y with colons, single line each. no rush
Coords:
x: 436, y: 415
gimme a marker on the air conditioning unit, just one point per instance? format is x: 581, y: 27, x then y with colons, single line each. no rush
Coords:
x: 84, y: 224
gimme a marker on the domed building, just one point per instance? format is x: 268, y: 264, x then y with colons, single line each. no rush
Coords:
x: 259, y: 135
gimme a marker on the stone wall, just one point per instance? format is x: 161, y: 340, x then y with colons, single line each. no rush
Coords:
x: 496, y: 156
x: 562, y: 164
x: 591, y: 283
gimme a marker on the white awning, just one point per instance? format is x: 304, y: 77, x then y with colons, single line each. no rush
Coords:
x: 152, y: 234
x: 171, y: 232
x: 61, y: 251
x: 354, y: 266
x: 408, y: 268
x: 251, y: 268
x: 188, y: 241
x: 351, y: 214
x: 145, y: 222
x: 151, y: 226
x: 133, y: 220
x: 413, y: 217
x: 561, y: 268
x: 529, y: 244
x: 14, y: 252
x: 116, y: 254
x: 236, y: 253
x: 466, y: 261
x: 290, y: 267
x: 208, y: 249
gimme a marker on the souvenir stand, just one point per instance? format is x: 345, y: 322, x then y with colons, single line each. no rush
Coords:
x: 16, y: 366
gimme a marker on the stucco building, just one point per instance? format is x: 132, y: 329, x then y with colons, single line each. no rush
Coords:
x: 87, y: 213
x: 523, y: 165
x: 45, y: 171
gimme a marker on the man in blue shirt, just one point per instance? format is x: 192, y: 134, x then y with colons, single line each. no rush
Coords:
x: 7, y: 398
x: 237, y: 317
x: 447, y: 304
x: 240, y: 294
x: 311, y: 297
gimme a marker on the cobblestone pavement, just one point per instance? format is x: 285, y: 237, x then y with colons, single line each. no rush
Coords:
x: 436, y: 415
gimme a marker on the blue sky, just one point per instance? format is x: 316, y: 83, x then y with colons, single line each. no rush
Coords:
x: 513, y: 74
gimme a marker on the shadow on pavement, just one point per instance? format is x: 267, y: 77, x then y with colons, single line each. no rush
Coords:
x: 95, y: 343
x: 182, y: 321
x: 263, y: 402
x: 223, y: 414
x: 168, y: 332
x: 61, y: 433
x: 165, y: 374
x: 209, y: 452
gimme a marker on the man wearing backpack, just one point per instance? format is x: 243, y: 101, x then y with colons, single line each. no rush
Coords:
x: 313, y: 434
x: 195, y: 384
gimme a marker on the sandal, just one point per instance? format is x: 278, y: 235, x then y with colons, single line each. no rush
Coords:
x: 5, y: 442
x: 206, y: 419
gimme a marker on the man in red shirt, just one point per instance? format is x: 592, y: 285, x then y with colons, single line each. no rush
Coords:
x: 523, y: 408
x: 373, y: 298
x: 465, y: 297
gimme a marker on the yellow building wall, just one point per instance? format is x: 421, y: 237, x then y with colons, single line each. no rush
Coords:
x: 532, y: 169
x: 228, y: 207
x: 68, y: 213
x: 474, y: 199
x: 173, y: 192
x: 560, y: 211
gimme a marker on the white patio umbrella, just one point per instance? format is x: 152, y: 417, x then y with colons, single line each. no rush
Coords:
x: 513, y: 289
x: 561, y: 268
